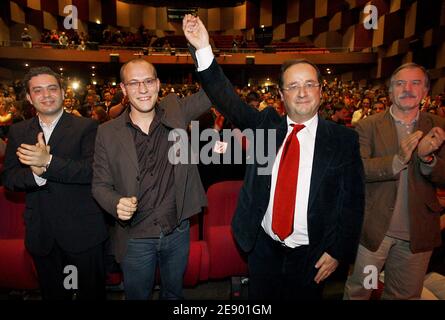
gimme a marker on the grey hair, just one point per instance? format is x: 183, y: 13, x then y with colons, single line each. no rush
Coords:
x: 410, y: 65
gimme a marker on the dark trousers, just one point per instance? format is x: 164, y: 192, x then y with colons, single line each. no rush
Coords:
x: 89, y: 277
x: 277, y: 272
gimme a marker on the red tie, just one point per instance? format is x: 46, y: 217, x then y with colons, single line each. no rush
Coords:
x: 286, y: 188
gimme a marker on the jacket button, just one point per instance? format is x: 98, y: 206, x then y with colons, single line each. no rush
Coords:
x: 137, y: 178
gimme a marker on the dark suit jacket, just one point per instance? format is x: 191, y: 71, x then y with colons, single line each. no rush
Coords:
x: 336, y: 198
x: 378, y: 145
x: 116, y: 168
x: 63, y: 210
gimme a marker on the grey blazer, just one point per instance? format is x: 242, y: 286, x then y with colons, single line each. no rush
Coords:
x: 378, y: 145
x: 116, y: 167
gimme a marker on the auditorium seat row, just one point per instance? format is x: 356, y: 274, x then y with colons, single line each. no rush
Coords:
x: 216, y: 256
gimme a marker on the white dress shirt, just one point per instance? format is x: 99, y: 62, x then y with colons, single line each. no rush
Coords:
x: 47, y: 132
x: 306, y: 137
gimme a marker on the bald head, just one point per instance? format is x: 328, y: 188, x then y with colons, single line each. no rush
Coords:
x: 136, y: 61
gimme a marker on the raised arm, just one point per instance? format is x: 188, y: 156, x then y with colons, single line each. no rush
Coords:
x: 215, y: 83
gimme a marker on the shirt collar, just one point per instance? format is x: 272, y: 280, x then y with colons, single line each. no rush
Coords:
x: 52, y: 124
x: 310, y: 125
x: 159, y: 115
x: 400, y: 121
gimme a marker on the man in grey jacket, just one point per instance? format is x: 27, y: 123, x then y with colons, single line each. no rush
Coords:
x: 150, y: 196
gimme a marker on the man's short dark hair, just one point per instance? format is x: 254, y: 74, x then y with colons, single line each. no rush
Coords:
x: 376, y: 103
x: 339, y: 107
x: 287, y: 64
x: 252, y: 96
x: 36, y: 71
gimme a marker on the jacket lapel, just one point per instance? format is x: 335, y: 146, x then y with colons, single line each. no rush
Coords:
x: 125, y: 139
x: 425, y: 123
x: 281, y: 133
x: 323, y: 154
x: 387, y: 134
x: 34, y: 129
x: 62, y: 127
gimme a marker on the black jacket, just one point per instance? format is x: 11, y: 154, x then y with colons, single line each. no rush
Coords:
x: 336, y: 199
x: 63, y: 210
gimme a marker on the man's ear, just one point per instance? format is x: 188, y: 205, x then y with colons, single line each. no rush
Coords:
x: 124, y: 90
x: 158, y: 83
x: 28, y: 97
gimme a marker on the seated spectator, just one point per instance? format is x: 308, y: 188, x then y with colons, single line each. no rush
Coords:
x: 107, y: 100
x: 26, y: 38
x: 384, y: 99
x: 279, y: 107
x: 363, y: 111
x: 253, y: 99
x: 63, y: 40
x: 54, y: 37
x: 263, y: 103
x: 82, y: 46
x: 118, y: 108
x: 340, y: 114
x: 166, y: 46
x: 87, y: 108
x: 69, y: 107
x: 378, y: 107
x: 99, y: 114
x: 15, y: 110
x: 5, y: 117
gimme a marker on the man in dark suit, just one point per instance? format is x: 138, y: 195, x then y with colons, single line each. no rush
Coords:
x: 404, y: 158
x: 295, y: 231
x: 137, y: 180
x: 64, y: 225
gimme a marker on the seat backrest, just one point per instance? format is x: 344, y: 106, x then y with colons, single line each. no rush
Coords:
x: 222, y: 200
x: 12, y: 207
x: 194, y: 228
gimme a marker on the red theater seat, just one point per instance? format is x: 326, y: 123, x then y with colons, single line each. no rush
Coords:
x: 198, y: 264
x: 225, y: 258
x: 16, y: 266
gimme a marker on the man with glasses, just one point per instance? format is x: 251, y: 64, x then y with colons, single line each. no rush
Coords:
x: 50, y: 158
x: 303, y: 217
x: 404, y: 159
x: 149, y: 197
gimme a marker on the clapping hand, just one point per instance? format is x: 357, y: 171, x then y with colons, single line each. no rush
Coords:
x: 431, y: 142
x: 36, y: 156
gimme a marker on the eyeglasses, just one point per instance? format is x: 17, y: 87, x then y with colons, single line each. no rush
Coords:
x: 135, y: 85
x: 403, y: 83
x: 307, y: 86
